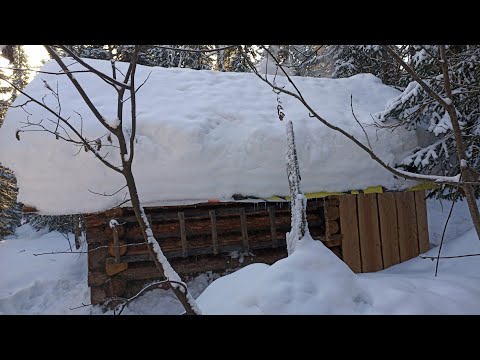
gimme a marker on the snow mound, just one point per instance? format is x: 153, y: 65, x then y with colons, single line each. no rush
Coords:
x: 314, y: 281
x: 57, y: 283
x: 46, y: 284
x: 200, y: 135
x: 310, y: 281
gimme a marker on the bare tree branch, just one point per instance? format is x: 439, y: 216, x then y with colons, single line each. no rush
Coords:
x: 133, y: 103
x: 150, y: 286
x: 358, y: 122
x: 196, y: 50
x: 104, y: 194
x: 101, y: 75
x: 80, y: 90
x: 84, y: 141
x: 443, y: 237
x: 299, y: 97
x: 448, y: 257
x: 414, y: 75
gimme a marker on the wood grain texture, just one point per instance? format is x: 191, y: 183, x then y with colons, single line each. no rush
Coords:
x: 369, y: 231
x: 387, y: 210
x: 349, y: 231
x: 407, y: 225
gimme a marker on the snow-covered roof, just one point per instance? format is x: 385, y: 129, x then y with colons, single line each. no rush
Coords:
x: 200, y: 135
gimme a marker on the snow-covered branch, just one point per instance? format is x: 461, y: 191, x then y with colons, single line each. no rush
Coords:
x: 298, y: 95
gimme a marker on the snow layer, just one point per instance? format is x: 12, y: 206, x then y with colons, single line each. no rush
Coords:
x: 56, y: 284
x: 201, y: 135
x: 46, y: 284
x: 311, y: 280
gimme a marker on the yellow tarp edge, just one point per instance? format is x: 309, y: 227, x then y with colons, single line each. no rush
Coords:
x: 369, y: 190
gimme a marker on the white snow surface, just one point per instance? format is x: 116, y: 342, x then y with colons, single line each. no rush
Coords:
x: 311, y: 281
x: 55, y: 284
x: 314, y: 281
x: 219, y: 130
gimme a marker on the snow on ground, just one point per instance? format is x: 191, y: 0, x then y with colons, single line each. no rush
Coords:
x: 308, y: 283
x: 221, y: 128
x: 54, y: 284
x: 311, y: 281
x: 47, y: 284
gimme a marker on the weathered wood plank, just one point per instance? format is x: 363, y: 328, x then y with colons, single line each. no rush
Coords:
x: 171, y: 253
x: 96, y: 257
x: 387, y: 210
x: 97, y: 295
x: 121, y: 247
x: 116, y: 244
x: 213, y: 219
x: 369, y: 231
x: 243, y: 225
x: 273, y: 226
x: 170, y: 215
x: 422, y: 221
x: 349, y: 230
x: 113, y: 213
x: 183, y: 233
x: 112, y: 266
x: 195, y: 265
x: 332, y: 200
x: 407, y: 225
x: 224, y: 229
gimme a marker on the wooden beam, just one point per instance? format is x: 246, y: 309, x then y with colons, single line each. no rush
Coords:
x: 213, y: 219
x: 273, y: 227
x: 349, y: 230
x: 183, y: 233
x: 243, y: 224
x: 387, y: 210
x: 113, y: 267
x: 116, y: 245
x: 369, y: 230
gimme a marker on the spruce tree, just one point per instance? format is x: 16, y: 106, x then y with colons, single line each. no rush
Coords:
x: 233, y: 60
x: 415, y: 109
x: 348, y: 60
x: 150, y: 55
x: 10, y: 210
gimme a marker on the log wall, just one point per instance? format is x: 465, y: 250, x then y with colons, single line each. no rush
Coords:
x: 369, y: 232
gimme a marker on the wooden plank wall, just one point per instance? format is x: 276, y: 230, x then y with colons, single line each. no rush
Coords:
x: 349, y: 226
x: 381, y: 230
x: 370, y: 232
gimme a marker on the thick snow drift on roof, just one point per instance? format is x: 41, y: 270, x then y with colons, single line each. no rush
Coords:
x: 200, y: 135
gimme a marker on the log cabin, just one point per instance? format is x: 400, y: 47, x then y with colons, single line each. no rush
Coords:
x: 210, y: 169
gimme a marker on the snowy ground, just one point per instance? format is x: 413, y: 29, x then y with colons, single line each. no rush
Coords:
x: 55, y: 284
x: 311, y: 281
